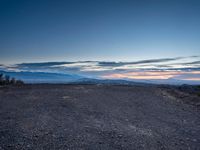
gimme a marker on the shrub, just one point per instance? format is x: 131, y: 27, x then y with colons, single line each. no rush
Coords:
x: 19, y: 82
x: 6, y: 80
x: 13, y: 81
x: 2, y: 79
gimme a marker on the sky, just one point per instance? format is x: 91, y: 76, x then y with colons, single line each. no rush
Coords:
x: 119, y: 32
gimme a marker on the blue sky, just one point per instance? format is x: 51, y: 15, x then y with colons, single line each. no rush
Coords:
x: 128, y: 39
x: 106, y: 30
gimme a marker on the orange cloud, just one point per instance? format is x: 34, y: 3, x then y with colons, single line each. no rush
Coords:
x: 193, y: 79
x: 150, y: 75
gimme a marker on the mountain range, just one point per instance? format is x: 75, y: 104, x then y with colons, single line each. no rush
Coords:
x: 45, y: 77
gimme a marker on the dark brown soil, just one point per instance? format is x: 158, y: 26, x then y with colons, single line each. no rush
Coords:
x: 97, y: 117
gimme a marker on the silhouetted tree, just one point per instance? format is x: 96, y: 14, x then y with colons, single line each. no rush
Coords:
x: 12, y: 81
x: 1, y: 76
x: 7, y: 79
x: 19, y: 82
x: 1, y: 79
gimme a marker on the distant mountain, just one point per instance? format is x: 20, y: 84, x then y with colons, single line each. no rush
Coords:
x: 107, y: 81
x: 42, y: 77
x: 127, y: 81
x: 136, y: 82
x: 170, y: 81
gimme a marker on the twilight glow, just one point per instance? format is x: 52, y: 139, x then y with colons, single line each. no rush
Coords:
x: 155, y: 75
x: 142, y: 40
x: 166, y: 69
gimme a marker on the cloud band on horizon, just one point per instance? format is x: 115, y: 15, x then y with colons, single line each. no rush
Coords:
x: 180, y: 68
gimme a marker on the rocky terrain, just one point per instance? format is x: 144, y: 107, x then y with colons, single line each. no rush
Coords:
x: 93, y: 117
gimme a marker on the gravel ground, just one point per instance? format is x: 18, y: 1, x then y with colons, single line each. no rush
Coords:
x: 96, y: 117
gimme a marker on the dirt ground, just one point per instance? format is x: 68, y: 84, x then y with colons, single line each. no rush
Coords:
x: 94, y: 117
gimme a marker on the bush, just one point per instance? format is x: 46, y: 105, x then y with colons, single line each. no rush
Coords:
x: 19, y: 82
x: 6, y: 80
x: 2, y: 81
x: 13, y: 81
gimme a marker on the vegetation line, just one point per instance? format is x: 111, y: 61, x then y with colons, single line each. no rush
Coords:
x: 7, y: 80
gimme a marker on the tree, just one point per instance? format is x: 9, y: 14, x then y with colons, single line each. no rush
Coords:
x: 1, y: 75
x: 12, y: 81
x: 19, y: 82
x: 7, y: 79
x: 1, y: 79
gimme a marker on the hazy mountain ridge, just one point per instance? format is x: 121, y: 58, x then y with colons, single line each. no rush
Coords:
x: 46, y: 77
x: 42, y: 77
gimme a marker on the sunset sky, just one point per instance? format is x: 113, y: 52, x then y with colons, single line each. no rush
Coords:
x: 112, y: 39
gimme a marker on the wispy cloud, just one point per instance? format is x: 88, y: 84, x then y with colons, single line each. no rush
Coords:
x: 114, y: 64
x: 184, y: 75
x: 183, y: 68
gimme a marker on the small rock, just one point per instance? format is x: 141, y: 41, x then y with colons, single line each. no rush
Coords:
x: 119, y: 135
x: 194, y: 140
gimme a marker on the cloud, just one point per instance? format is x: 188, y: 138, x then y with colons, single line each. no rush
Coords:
x: 139, y: 62
x: 195, y: 56
x: 44, y: 64
x: 146, y: 75
x: 195, y: 62
x: 164, y: 68
x: 156, y: 60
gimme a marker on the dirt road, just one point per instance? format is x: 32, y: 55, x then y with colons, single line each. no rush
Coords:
x: 96, y: 117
